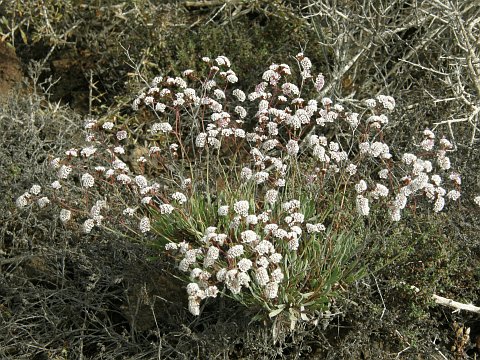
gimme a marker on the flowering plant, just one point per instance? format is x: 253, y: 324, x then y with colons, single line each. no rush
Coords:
x: 260, y: 196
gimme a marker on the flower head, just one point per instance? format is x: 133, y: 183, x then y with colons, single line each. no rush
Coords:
x: 87, y: 180
x: 241, y: 207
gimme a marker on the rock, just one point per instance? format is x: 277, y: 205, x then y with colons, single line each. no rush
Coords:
x: 10, y: 69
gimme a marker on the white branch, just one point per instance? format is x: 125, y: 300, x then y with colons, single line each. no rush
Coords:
x: 440, y: 300
x: 455, y: 304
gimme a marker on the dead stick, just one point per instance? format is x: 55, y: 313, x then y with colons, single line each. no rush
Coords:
x: 199, y: 4
x: 440, y: 300
x: 455, y: 304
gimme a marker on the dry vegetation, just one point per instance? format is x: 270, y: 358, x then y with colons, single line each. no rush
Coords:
x: 65, y: 296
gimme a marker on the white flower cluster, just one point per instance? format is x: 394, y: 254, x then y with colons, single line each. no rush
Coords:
x: 387, y: 102
x: 161, y: 127
x: 420, y: 181
x: 95, y: 218
x: 144, y: 224
x: 251, y: 259
x: 241, y: 207
x: 33, y: 195
x: 88, y: 151
x: 87, y: 180
x: 64, y: 171
x: 315, y: 228
x: 65, y: 215
x: 179, y: 197
x: 23, y: 200
x: 362, y: 205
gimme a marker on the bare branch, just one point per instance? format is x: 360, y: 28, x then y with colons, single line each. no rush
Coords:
x: 440, y: 300
x: 455, y: 304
